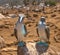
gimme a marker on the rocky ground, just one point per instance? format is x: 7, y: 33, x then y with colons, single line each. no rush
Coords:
x: 7, y: 25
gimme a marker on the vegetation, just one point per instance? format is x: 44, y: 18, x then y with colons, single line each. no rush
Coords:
x: 34, y: 2
x: 26, y: 2
x: 50, y: 2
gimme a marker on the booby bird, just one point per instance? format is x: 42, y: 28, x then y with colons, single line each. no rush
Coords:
x: 20, y: 30
x: 43, y: 30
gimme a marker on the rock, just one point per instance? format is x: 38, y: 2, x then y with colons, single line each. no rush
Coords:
x: 53, y: 15
x: 36, y: 10
x: 2, y: 42
x: 35, y: 15
x: 12, y: 15
x: 2, y: 16
x: 9, y: 49
x: 57, y: 38
x: 6, y: 26
x: 1, y: 26
x: 31, y: 48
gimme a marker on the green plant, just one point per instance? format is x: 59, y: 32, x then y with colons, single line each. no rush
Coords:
x: 26, y: 2
x: 34, y: 2
x: 50, y: 2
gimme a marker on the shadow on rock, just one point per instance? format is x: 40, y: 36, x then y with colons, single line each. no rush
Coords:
x: 22, y: 50
x: 41, y: 47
